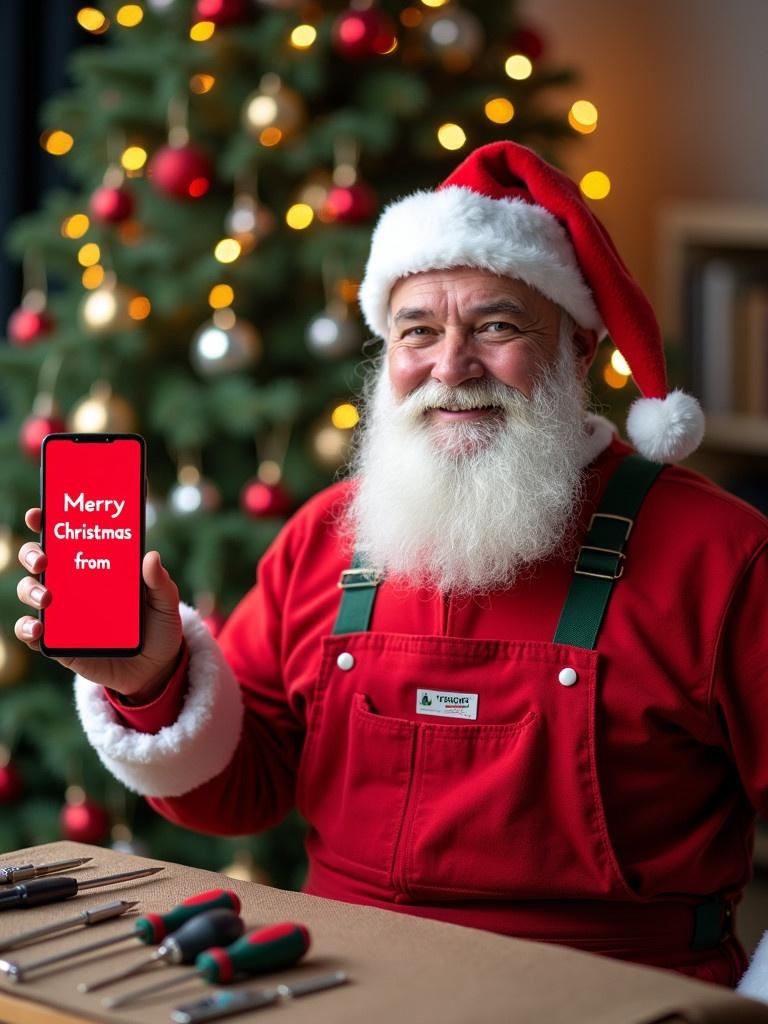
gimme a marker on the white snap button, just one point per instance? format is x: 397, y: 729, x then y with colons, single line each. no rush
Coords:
x: 568, y: 676
x: 345, y: 661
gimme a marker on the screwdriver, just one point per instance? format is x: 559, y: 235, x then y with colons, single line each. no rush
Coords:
x: 212, y: 928
x: 21, y: 872
x: 103, y: 912
x: 258, y: 952
x: 149, y: 929
x: 59, y: 887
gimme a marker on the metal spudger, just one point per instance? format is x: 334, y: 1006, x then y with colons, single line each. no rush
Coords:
x: 21, y: 872
x: 60, y: 887
x: 103, y: 912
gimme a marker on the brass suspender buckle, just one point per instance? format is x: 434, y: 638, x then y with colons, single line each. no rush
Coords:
x: 618, y: 570
x: 357, y: 579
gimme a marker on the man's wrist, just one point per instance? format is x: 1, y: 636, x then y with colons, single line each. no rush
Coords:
x: 154, y: 688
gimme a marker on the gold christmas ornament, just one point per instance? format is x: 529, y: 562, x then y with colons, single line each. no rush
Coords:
x: 9, y: 546
x: 13, y: 660
x: 273, y: 106
x: 102, y: 410
x: 248, y: 221
x: 225, y: 343
x: 329, y: 445
x: 108, y: 308
x: 245, y: 869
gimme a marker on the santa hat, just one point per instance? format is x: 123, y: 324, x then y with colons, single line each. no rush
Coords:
x: 506, y: 210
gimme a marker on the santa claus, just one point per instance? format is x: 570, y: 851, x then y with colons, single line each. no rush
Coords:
x: 513, y: 670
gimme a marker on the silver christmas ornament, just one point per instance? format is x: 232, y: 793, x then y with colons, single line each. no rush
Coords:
x: 224, y: 344
x: 335, y: 333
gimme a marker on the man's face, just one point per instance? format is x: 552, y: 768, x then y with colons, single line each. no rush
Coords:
x: 464, y: 325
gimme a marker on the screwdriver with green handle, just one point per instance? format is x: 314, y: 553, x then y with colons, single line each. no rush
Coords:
x: 149, y: 929
x: 259, y: 952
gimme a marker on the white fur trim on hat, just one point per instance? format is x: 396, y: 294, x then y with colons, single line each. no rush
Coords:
x: 456, y: 227
x: 666, y: 429
x: 754, y: 984
x: 184, y: 755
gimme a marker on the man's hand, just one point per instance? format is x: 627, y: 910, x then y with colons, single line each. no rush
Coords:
x: 140, y: 678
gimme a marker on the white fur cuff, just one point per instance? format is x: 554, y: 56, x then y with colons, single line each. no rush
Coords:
x: 184, y: 755
x: 754, y: 984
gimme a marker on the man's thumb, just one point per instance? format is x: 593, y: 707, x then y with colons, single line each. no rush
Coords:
x: 163, y: 592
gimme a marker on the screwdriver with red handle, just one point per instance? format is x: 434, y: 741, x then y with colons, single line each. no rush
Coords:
x: 258, y: 952
x: 149, y: 929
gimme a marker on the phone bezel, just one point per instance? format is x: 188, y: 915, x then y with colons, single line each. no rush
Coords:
x: 105, y: 437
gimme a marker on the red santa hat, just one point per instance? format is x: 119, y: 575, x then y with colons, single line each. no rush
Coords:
x: 506, y: 210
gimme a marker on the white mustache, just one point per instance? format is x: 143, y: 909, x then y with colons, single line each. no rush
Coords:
x: 479, y: 395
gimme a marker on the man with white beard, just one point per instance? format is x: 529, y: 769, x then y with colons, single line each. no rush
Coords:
x: 513, y: 674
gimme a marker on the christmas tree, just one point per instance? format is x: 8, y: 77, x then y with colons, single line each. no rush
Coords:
x: 197, y: 283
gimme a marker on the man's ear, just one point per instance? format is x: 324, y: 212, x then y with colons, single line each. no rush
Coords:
x: 585, y: 342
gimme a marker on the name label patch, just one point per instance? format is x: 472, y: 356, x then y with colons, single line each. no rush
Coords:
x: 446, y: 704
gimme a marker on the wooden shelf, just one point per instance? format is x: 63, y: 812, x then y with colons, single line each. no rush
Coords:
x: 737, y: 433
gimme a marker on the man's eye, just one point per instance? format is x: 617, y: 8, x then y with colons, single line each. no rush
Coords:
x: 499, y: 327
x: 413, y: 330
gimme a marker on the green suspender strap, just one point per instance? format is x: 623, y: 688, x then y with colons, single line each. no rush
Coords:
x: 600, y: 561
x: 358, y: 586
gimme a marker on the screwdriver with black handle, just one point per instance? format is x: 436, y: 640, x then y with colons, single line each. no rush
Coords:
x: 213, y: 928
x: 266, y: 949
x: 60, y: 887
x: 12, y: 873
x: 149, y: 929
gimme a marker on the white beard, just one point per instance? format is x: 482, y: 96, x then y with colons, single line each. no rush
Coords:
x: 467, y: 507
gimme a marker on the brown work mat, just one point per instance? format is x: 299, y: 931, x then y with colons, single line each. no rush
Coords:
x: 402, y: 968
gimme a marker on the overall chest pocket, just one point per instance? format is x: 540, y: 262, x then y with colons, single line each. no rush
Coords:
x: 501, y: 808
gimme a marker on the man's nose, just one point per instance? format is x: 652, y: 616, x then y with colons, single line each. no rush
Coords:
x: 455, y: 360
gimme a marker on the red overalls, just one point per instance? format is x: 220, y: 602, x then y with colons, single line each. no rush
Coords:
x: 502, y: 818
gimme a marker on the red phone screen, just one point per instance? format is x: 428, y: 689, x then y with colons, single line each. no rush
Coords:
x: 93, y: 535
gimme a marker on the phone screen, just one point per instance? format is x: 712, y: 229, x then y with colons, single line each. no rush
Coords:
x: 93, y: 494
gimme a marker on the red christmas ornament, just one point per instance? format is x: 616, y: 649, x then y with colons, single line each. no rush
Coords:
x: 26, y: 326
x: 358, y: 35
x: 184, y: 172
x: 263, y: 501
x: 33, y: 430
x: 84, y: 822
x: 10, y: 783
x: 527, y: 42
x: 111, y: 205
x: 221, y: 12
x: 351, y: 203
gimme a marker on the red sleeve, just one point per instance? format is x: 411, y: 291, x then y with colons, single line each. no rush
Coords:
x: 164, y: 709
x: 257, y: 788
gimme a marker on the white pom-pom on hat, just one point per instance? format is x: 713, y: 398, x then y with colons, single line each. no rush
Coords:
x: 507, y: 210
x: 666, y: 429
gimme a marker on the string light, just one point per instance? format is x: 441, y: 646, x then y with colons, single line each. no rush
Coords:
x: 92, y: 20
x: 299, y: 216
x: 201, y: 84
x: 434, y: 3
x: 93, y: 277
x: 411, y: 17
x: 133, y: 158
x: 227, y: 250
x: 221, y: 295
x: 75, y: 226
x: 202, y: 31
x: 129, y: 15
x: 270, y: 136
x: 518, y: 66
x: 303, y: 36
x: 620, y: 364
x: 139, y: 308
x: 451, y: 136
x: 595, y: 185
x: 345, y: 416
x: 614, y: 380
x: 499, y: 110
x: 57, y: 143
x: 582, y: 117
x: 89, y: 254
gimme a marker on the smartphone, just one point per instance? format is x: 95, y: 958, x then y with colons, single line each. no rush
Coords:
x: 93, y: 492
